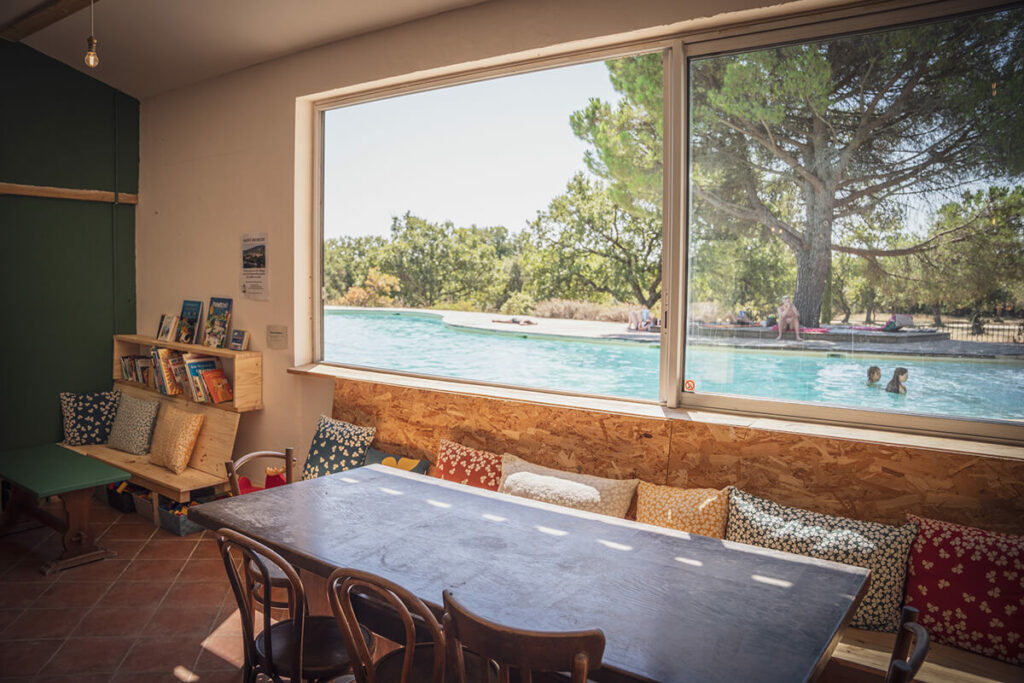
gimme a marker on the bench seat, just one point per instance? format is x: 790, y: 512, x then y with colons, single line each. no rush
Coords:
x: 863, y: 656
x: 155, y: 478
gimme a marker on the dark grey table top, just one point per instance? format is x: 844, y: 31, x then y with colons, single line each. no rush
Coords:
x: 673, y: 606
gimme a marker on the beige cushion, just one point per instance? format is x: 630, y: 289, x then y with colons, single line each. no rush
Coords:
x: 696, y: 511
x: 174, y: 438
x: 579, y: 491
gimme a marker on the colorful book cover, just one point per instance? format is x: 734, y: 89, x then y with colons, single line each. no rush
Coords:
x: 177, y: 364
x: 188, y: 321
x: 218, y: 319
x: 217, y: 385
x: 165, y: 372
x: 195, y: 364
x: 239, y: 340
x: 144, y: 371
x: 168, y: 326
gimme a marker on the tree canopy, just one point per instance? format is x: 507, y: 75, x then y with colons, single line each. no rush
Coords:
x: 862, y: 171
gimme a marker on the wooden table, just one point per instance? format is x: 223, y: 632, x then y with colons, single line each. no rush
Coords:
x: 53, y: 470
x: 673, y: 606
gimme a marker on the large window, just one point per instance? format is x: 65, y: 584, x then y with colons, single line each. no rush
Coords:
x: 485, y: 231
x: 851, y: 233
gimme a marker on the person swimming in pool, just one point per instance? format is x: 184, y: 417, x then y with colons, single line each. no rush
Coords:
x: 897, y: 384
x: 874, y: 375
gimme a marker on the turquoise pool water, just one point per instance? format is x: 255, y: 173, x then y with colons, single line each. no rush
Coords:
x: 424, y: 345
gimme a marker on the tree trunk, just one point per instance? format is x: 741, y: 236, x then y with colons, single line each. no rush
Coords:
x: 936, y: 315
x: 869, y: 308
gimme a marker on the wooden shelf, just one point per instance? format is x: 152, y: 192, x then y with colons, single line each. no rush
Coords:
x: 187, y: 348
x: 244, y: 369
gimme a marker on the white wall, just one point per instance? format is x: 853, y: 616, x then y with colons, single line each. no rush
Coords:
x: 220, y: 158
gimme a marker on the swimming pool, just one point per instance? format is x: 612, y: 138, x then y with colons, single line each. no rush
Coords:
x: 423, y: 344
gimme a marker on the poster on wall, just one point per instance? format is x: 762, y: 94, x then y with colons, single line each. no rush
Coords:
x: 254, y: 266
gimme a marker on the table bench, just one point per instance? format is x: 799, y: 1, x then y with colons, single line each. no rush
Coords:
x: 51, y: 470
x: 213, y: 448
x: 863, y: 656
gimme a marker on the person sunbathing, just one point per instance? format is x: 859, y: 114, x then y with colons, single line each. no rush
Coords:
x: 789, y: 318
x: 897, y: 384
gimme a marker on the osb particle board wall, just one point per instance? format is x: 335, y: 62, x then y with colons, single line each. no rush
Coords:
x: 836, y: 476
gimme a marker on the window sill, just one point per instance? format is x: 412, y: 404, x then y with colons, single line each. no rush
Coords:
x: 651, y: 410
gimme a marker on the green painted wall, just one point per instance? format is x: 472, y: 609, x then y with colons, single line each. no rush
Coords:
x: 67, y: 268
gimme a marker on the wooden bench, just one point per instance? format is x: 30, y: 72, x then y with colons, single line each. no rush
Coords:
x: 863, y: 657
x: 213, y: 448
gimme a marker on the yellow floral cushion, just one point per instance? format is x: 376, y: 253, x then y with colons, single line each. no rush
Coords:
x: 697, y: 511
x: 174, y: 438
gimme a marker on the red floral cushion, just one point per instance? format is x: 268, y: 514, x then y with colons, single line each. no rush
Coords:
x: 465, y: 465
x: 969, y: 586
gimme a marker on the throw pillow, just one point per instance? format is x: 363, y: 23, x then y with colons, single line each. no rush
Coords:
x: 969, y: 586
x: 375, y: 457
x: 580, y: 491
x: 133, y: 425
x: 879, y: 547
x: 174, y: 438
x: 696, y: 511
x: 465, y: 465
x: 88, y: 417
x: 337, y: 446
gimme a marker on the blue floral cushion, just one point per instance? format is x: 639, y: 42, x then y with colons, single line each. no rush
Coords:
x: 879, y: 547
x: 337, y: 446
x: 88, y: 417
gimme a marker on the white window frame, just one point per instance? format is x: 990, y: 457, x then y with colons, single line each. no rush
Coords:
x: 677, y: 50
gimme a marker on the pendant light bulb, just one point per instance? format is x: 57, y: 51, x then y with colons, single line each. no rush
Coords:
x: 92, y: 60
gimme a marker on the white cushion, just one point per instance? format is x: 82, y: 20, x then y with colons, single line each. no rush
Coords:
x: 579, y: 491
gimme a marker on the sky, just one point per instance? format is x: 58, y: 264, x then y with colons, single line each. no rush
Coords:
x: 487, y: 153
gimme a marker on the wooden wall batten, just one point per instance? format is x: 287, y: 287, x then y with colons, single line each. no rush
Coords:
x: 835, y: 476
x: 69, y: 193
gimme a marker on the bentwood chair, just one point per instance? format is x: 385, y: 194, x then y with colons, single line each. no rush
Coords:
x: 300, y: 647
x: 360, y: 599
x: 278, y: 581
x: 526, y: 652
x: 903, y: 668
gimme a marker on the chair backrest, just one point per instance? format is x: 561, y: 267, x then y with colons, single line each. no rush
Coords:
x: 903, y: 668
x: 252, y: 557
x: 232, y: 466
x: 347, y: 588
x: 526, y: 651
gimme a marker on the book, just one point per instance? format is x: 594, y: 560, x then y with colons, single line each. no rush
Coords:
x: 165, y: 372
x: 168, y: 326
x: 218, y: 318
x: 195, y: 364
x: 180, y: 375
x: 144, y: 371
x: 217, y: 386
x: 188, y: 321
x: 239, y: 340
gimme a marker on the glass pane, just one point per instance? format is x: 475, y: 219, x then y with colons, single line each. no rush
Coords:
x: 863, y: 195
x: 504, y: 231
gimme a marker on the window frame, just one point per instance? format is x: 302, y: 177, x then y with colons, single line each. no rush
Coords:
x: 678, y: 49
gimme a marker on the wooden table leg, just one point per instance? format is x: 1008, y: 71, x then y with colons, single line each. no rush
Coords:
x: 79, y: 545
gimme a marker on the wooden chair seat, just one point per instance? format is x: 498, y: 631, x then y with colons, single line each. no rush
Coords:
x: 323, y: 649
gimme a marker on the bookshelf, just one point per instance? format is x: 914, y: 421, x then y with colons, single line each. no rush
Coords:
x: 243, y: 368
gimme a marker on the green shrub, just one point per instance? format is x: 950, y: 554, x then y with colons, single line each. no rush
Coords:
x: 520, y: 303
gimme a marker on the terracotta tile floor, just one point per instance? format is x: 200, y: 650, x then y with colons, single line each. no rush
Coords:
x: 158, y: 612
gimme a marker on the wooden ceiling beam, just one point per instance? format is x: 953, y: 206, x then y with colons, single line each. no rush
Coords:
x: 39, y: 18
